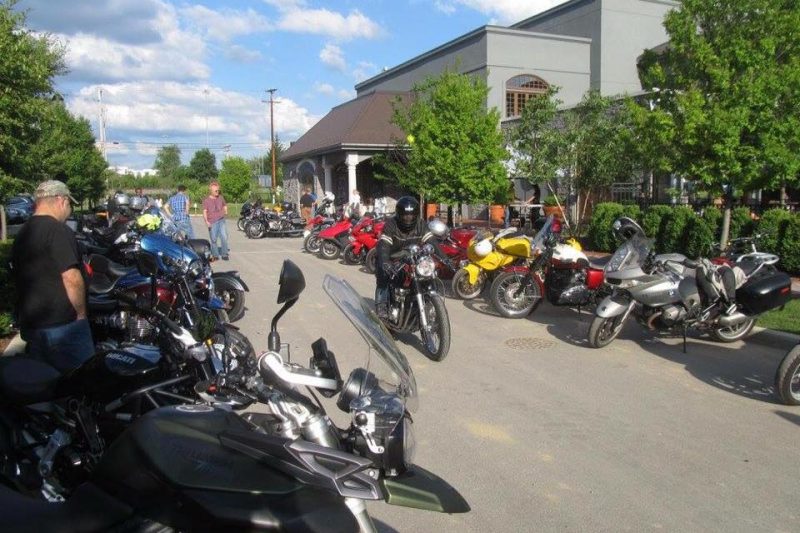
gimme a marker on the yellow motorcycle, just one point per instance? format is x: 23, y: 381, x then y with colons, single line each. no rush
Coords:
x: 487, y: 255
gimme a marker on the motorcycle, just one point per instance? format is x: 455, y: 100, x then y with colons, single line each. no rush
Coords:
x: 266, y: 223
x: 414, y: 303
x: 485, y: 257
x: 560, y: 271
x: 669, y: 291
x: 787, y: 377
x: 334, y: 239
x: 363, y: 239
x: 288, y: 469
x: 56, y: 428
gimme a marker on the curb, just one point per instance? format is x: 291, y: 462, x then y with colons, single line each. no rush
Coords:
x: 772, y: 337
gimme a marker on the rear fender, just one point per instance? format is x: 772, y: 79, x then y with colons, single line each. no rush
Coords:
x: 519, y: 269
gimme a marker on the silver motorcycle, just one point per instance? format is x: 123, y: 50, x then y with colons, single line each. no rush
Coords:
x: 672, y: 292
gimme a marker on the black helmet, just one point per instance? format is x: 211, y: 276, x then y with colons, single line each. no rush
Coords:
x: 406, y: 213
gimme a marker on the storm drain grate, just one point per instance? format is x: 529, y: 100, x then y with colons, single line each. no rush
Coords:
x: 529, y: 343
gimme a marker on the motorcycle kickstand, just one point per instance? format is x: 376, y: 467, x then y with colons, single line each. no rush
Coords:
x: 684, y: 338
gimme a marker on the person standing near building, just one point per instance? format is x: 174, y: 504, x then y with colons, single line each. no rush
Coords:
x: 215, y: 209
x: 178, y: 208
x: 306, y: 203
x: 51, y: 290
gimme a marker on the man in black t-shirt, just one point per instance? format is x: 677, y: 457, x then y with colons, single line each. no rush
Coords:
x: 51, y: 290
x: 306, y: 203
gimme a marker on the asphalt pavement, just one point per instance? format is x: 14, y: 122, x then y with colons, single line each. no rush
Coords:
x: 541, y: 433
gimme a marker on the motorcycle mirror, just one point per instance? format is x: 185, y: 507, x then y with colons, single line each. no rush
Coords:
x: 291, y: 283
x: 147, y: 264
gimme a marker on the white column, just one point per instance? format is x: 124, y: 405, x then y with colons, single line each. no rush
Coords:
x: 328, y: 169
x: 352, y: 162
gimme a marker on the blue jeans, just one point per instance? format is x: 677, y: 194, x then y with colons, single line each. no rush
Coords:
x: 219, y: 231
x: 64, y: 347
x: 186, y: 227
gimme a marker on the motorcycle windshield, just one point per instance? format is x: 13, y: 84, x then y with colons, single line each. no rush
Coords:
x: 391, y: 366
x: 631, y: 254
x: 538, y: 239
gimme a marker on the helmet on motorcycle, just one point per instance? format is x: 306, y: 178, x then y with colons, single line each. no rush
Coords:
x: 483, y: 247
x: 330, y: 196
x: 122, y: 199
x: 406, y: 213
x: 626, y: 228
x: 437, y: 227
x: 148, y: 222
x: 138, y: 203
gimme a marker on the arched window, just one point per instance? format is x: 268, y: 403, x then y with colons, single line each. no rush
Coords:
x: 520, y: 89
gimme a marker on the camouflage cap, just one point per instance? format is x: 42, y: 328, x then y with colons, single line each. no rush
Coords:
x: 51, y: 188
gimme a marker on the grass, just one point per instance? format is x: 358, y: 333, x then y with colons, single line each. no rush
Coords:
x: 787, y: 319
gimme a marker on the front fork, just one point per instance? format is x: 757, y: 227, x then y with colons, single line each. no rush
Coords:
x: 423, y: 316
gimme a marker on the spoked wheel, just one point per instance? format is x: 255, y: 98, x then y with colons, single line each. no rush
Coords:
x: 350, y: 256
x: 436, y: 337
x: 463, y: 288
x: 604, y: 330
x: 328, y: 250
x: 311, y: 243
x: 239, y: 346
x: 515, y: 295
x: 735, y: 332
x: 254, y: 229
x: 232, y: 297
x: 371, y: 260
x: 787, y: 378
x: 240, y: 224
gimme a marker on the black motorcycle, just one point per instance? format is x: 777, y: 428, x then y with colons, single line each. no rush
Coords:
x: 288, y: 468
x: 787, y: 378
x: 414, y: 302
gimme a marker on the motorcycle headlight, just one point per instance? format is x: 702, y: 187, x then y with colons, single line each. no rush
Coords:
x: 426, y: 267
x: 196, y: 269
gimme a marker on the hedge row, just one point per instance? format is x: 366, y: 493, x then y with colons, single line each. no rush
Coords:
x: 679, y: 229
x: 7, y: 291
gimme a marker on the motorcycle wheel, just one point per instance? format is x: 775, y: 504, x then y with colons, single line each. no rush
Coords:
x: 604, y: 330
x: 371, y: 260
x: 734, y: 333
x: 233, y: 298
x: 506, y: 300
x: 350, y: 257
x: 329, y: 251
x: 240, y: 224
x: 311, y: 243
x: 787, y: 378
x: 463, y: 288
x: 436, y: 339
x: 240, y: 346
x: 254, y: 229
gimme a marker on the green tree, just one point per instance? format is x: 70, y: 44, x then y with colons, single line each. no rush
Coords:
x: 455, y: 149
x: 28, y: 63
x: 235, y: 179
x: 168, y: 161
x: 203, y: 166
x: 729, y: 94
x: 263, y: 164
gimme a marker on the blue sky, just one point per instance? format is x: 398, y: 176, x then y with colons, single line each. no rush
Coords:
x: 168, y: 68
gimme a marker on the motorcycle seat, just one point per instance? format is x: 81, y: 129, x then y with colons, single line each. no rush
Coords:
x: 88, y: 509
x: 599, y: 263
x: 105, y: 274
x: 24, y: 380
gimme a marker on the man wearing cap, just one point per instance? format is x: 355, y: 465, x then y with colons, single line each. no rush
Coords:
x: 51, y: 291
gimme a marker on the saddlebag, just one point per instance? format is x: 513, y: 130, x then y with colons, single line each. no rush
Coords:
x: 764, y: 292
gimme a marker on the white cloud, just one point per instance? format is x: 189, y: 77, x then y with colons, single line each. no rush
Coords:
x: 241, y: 54
x: 225, y: 24
x: 503, y: 11
x: 333, y: 56
x: 324, y: 88
x: 364, y: 70
x: 346, y: 94
x: 297, y: 17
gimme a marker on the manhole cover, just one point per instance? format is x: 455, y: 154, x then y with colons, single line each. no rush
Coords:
x: 529, y: 343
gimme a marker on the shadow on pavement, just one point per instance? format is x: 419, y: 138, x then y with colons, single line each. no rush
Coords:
x: 791, y: 417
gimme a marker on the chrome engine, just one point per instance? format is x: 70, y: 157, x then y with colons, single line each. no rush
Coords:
x: 131, y: 327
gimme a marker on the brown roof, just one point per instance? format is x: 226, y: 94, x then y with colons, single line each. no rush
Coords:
x: 364, y: 121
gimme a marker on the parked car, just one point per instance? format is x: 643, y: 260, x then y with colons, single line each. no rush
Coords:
x: 19, y: 209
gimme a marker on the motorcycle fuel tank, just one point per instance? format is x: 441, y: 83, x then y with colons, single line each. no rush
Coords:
x: 657, y: 292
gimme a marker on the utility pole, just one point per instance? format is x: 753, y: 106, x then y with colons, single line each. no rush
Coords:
x: 205, y: 99
x: 102, y: 129
x: 272, y: 133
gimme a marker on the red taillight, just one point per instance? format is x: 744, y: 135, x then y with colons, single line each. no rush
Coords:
x: 555, y: 227
x: 88, y: 269
x: 785, y: 290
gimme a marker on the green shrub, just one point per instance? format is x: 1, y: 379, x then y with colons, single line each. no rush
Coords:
x: 632, y: 211
x: 7, y: 290
x: 600, y: 232
x: 651, y: 220
x: 780, y: 232
x: 741, y: 223
x: 712, y: 216
x: 672, y: 230
x: 698, y: 238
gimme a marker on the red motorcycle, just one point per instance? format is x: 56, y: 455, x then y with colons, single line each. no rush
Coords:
x: 311, y: 240
x: 453, y: 243
x: 363, y: 240
x: 334, y: 239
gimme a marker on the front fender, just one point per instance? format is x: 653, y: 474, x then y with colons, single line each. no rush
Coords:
x: 231, y: 279
x: 612, y: 306
x: 473, y: 271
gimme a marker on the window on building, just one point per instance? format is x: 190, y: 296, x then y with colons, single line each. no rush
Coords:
x: 520, y: 89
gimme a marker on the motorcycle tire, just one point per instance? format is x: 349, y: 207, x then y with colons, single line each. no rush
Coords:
x: 787, y: 378
x: 240, y: 346
x: 232, y: 297
x: 463, y: 288
x: 436, y: 341
x: 328, y: 250
x: 350, y: 257
x: 604, y: 330
x: 240, y: 224
x: 254, y: 229
x: 311, y: 243
x: 733, y: 333
x: 506, y: 301
x: 371, y: 260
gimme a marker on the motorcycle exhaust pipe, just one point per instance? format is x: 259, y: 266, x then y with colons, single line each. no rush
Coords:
x: 732, y: 320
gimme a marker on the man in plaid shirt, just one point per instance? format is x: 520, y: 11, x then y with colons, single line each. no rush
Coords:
x: 178, y: 207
